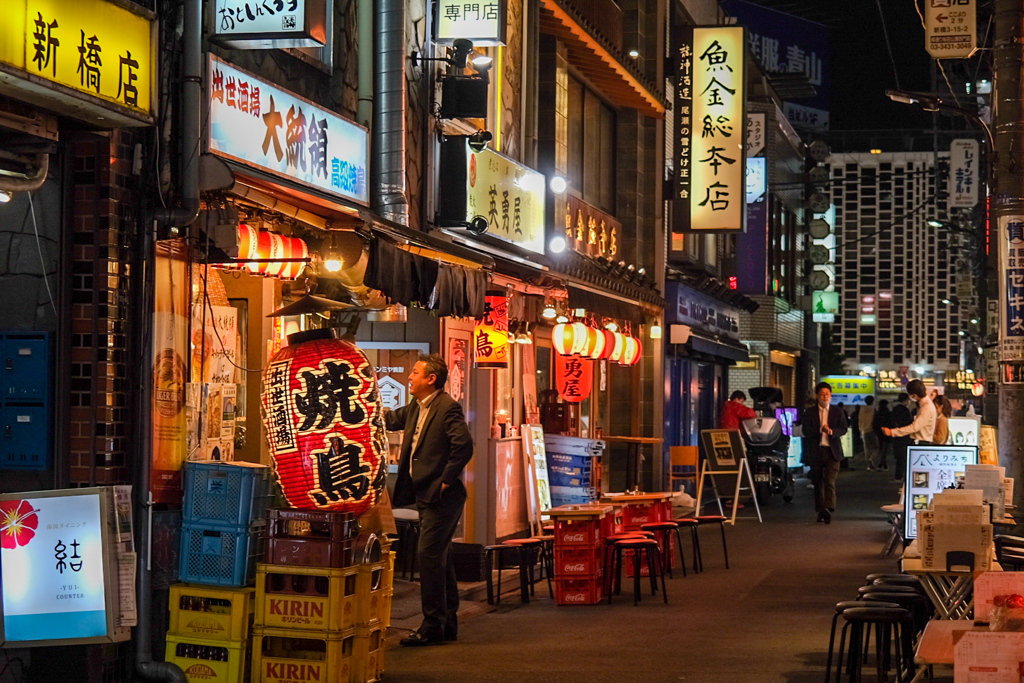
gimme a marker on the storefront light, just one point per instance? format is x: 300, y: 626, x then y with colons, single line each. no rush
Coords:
x: 557, y: 244
x: 562, y: 319
x: 558, y: 184
x: 655, y: 331
x: 4, y: 197
x: 549, y: 311
x: 611, y: 327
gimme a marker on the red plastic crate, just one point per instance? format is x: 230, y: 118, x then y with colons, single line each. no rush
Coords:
x: 309, y: 552
x: 587, y: 532
x: 579, y: 591
x: 577, y: 561
x: 636, y: 515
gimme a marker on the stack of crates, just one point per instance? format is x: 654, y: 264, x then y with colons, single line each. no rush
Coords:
x: 222, y: 533
x: 634, y: 516
x: 579, y: 557
x: 574, y: 469
x: 323, y: 600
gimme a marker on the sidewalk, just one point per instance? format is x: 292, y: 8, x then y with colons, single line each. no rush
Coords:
x: 765, y: 619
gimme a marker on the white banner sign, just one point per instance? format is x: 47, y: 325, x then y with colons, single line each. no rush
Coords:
x: 258, y: 124
x: 964, y: 174
x: 481, y: 22
x: 264, y: 24
x: 951, y: 28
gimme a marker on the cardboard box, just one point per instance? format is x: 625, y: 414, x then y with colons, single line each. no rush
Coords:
x: 937, y: 540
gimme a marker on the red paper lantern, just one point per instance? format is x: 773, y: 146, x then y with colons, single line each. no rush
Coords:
x: 569, y: 339
x: 631, y: 352
x: 609, y: 345
x: 595, y: 344
x: 247, y: 236
x: 325, y: 423
x: 490, y: 336
x: 574, y: 377
x: 296, y: 248
x: 618, y: 346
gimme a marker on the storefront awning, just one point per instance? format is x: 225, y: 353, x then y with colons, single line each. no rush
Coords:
x: 733, y: 351
x: 605, y: 306
x: 600, y: 62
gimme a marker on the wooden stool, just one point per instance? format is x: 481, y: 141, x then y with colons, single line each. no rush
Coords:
x: 654, y: 565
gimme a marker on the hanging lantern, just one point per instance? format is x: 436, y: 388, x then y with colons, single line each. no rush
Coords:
x: 608, y: 345
x: 277, y: 251
x: 325, y: 423
x: 618, y: 347
x: 569, y: 339
x: 247, y: 236
x: 631, y: 352
x: 595, y: 344
x: 299, y: 249
x: 574, y: 377
x: 260, y: 249
x: 490, y: 336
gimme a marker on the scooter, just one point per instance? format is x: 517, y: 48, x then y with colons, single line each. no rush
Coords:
x: 767, y: 447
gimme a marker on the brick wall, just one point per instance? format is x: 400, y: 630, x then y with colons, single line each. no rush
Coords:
x: 103, y: 216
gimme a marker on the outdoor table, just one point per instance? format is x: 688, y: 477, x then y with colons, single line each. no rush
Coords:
x: 936, y: 644
x: 952, y: 593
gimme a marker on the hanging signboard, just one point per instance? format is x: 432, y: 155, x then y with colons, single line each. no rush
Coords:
x: 964, y: 167
x: 930, y: 469
x: 850, y: 390
x: 490, y: 336
x: 481, y: 22
x: 257, y: 124
x: 824, y: 306
x: 710, y: 125
x: 574, y: 377
x: 951, y: 28
x: 589, y: 230
x: 101, y: 53
x: 260, y: 25
x: 1011, y: 253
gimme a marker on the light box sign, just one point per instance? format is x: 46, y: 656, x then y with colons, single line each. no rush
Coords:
x: 481, y: 22
x: 268, y: 24
x: 930, y: 469
x: 52, y: 565
x: 964, y: 431
x: 258, y: 124
x: 93, y: 47
x: 964, y: 166
x: 850, y: 390
x: 824, y: 306
x: 710, y: 127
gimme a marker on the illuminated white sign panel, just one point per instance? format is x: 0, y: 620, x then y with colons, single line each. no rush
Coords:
x: 481, y: 22
x: 266, y: 24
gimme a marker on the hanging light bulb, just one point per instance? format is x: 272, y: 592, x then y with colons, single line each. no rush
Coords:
x: 549, y: 311
x: 655, y: 331
x: 332, y: 261
x: 611, y: 327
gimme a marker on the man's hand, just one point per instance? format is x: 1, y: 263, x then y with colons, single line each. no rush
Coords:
x: 443, y: 486
x: 886, y: 431
x: 825, y: 429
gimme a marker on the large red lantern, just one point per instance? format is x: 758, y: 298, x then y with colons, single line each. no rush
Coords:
x: 490, y: 335
x: 574, y: 377
x: 325, y: 423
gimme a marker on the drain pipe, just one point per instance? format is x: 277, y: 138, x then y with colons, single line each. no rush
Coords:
x: 191, y: 107
x: 388, y: 133
x: 364, y: 107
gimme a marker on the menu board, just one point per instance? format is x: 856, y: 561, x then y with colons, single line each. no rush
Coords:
x: 723, y: 449
x: 540, y: 487
x: 931, y: 469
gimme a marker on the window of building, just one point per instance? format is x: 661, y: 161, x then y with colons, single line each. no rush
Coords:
x: 591, y: 132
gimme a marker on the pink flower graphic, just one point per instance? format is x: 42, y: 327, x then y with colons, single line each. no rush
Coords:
x: 18, y: 523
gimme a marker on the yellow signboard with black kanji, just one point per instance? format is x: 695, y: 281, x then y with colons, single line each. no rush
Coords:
x: 92, y: 47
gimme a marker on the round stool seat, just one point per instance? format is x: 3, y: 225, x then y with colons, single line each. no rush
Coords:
x: 908, y: 578
x: 710, y: 519
x: 875, y: 588
x: 406, y: 514
x: 522, y: 541
x: 659, y: 526
x: 848, y: 604
x: 884, y: 615
x: 910, y: 581
x: 685, y: 521
x: 636, y: 542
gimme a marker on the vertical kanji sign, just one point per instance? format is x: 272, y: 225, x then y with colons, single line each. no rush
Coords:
x: 710, y: 123
x: 1011, y: 232
x: 490, y: 336
x: 951, y: 28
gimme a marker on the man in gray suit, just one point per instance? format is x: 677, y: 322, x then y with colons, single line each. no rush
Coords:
x: 436, y: 447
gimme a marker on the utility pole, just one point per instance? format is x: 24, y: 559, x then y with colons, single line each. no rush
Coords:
x: 1007, y: 221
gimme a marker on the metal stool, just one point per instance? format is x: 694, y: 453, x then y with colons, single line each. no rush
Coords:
x: 654, y: 565
x: 840, y: 607
x: 890, y: 624
x: 666, y: 529
x: 525, y: 557
x: 692, y: 524
x: 407, y: 522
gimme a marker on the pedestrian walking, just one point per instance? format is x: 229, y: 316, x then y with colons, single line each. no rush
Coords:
x: 866, y: 426
x: 823, y: 428
x: 901, y: 417
x: 883, y: 418
x: 922, y: 428
x: 943, y: 411
x: 436, y: 447
x: 735, y: 411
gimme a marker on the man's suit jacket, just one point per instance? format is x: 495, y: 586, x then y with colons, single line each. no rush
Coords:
x: 445, y: 447
x: 811, y: 424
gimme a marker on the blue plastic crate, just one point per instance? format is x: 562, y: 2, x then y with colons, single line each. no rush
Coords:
x: 222, y: 493
x: 221, y: 555
x: 569, y: 471
x: 566, y: 480
x: 566, y: 460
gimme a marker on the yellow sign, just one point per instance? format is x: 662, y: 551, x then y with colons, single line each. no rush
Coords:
x: 510, y: 196
x: 90, y: 46
x: 716, y: 187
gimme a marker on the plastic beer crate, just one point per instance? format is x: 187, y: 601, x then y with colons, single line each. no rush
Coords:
x: 211, y: 613
x: 306, y: 598
x: 310, y: 538
x: 579, y: 591
x: 220, y: 556
x: 285, y: 656
x: 222, y: 493
x: 368, y: 665
x: 209, y: 660
x: 577, y: 561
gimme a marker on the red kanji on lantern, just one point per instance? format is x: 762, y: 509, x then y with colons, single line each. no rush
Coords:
x: 325, y: 423
x: 574, y: 377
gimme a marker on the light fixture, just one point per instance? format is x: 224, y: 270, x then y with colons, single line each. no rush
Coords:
x: 655, y: 331
x: 562, y: 319
x: 332, y: 260
x: 611, y: 327
x: 557, y: 244
x: 875, y: 150
x: 558, y: 184
x: 634, y: 53
x: 974, y: 321
x: 5, y: 197
x: 482, y: 63
x: 919, y: 370
x: 867, y: 369
x: 962, y: 333
x: 478, y: 140
x: 933, y: 223
x: 946, y: 301
x: 524, y: 334
x: 549, y: 311
x: 460, y: 52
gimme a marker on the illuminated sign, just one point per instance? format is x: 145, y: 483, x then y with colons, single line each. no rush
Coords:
x: 964, y: 431
x: 964, y: 170
x: 850, y: 390
x: 1011, y: 286
x: 589, y: 230
x: 490, y: 335
x: 482, y: 22
x: 54, y: 564
x: 930, y: 469
x: 824, y: 306
x: 951, y: 28
x: 868, y: 320
x: 710, y: 126
x: 757, y: 179
x: 255, y: 123
x: 95, y: 48
x: 260, y: 25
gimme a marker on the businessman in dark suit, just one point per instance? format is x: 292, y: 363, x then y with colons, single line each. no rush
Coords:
x: 436, y: 447
x: 823, y: 427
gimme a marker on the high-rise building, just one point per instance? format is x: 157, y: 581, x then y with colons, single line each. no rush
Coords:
x: 896, y: 273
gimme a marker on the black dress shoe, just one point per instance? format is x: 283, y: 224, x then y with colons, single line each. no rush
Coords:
x: 827, y: 516
x: 417, y: 638
x: 821, y: 517
x: 450, y: 637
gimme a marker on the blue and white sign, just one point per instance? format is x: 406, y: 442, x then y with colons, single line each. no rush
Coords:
x: 51, y: 564
x: 258, y: 124
x: 783, y: 43
x: 964, y: 166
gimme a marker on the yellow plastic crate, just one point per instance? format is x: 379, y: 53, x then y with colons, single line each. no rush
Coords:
x: 205, y: 660
x: 372, y: 587
x: 288, y: 656
x: 306, y: 598
x: 368, y: 662
x: 211, y: 613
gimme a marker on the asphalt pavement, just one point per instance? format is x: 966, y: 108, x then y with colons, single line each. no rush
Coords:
x: 764, y: 620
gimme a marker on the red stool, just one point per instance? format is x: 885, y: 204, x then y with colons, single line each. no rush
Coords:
x: 666, y: 529
x: 654, y: 565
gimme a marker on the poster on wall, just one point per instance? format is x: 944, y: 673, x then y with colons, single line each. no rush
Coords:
x: 964, y: 431
x: 931, y: 469
x: 214, y: 344
x: 170, y: 339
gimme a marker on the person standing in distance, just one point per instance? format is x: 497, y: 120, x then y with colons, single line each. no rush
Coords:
x: 436, y: 446
x: 901, y: 417
x: 823, y: 427
x: 866, y: 425
x: 735, y: 411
